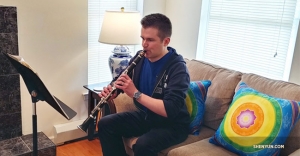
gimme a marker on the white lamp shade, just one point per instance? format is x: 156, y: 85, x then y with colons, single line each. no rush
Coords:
x: 120, y: 28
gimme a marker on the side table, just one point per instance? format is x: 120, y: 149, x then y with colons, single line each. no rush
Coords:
x: 93, y: 99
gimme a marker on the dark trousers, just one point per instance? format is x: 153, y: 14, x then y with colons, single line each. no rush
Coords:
x: 153, y: 137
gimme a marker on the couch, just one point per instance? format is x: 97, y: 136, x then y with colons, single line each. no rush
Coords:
x: 224, y: 83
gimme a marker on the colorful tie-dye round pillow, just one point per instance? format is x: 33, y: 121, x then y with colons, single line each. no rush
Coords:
x: 256, y: 123
x: 195, y: 102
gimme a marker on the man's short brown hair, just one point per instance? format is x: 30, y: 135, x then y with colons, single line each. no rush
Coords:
x: 160, y: 22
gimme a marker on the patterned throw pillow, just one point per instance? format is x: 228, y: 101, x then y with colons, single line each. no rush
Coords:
x: 195, y: 101
x: 256, y: 123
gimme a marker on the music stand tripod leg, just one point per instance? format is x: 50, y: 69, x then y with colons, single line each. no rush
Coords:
x: 34, y: 125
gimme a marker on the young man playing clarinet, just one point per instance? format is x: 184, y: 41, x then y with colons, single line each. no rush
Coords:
x: 158, y: 87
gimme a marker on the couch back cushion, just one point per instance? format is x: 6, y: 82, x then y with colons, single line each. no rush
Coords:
x: 124, y: 103
x: 279, y: 89
x: 221, y: 91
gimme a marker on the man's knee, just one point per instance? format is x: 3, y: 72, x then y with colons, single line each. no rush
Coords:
x: 142, y: 148
x: 104, y: 123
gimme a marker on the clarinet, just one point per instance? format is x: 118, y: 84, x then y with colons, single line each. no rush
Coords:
x: 84, y: 126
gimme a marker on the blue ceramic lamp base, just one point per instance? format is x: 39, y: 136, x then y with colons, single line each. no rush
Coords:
x: 117, y: 62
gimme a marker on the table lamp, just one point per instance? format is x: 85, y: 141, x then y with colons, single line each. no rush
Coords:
x: 120, y: 28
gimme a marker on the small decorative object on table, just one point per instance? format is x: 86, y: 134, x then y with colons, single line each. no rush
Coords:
x: 119, y: 60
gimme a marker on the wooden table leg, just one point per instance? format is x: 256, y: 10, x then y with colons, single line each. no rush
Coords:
x: 91, y: 129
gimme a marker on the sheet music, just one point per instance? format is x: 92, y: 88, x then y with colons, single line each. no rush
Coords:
x: 21, y: 60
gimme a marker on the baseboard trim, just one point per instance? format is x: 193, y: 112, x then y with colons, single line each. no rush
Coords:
x: 67, y: 132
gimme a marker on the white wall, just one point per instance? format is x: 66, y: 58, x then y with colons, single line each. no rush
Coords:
x: 295, y: 71
x: 52, y: 37
x: 185, y: 17
x: 154, y: 6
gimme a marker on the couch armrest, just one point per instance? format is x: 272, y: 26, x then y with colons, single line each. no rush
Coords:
x: 124, y: 103
x: 295, y: 153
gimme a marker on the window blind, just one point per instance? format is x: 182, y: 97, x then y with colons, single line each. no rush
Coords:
x: 98, y: 53
x: 252, y: 36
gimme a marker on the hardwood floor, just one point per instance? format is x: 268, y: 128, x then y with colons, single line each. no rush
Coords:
x: 80, y: 148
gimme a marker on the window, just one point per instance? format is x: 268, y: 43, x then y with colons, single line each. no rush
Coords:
x: 249, y: 36
x: 98, y: 53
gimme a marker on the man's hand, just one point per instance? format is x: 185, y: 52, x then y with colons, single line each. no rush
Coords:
x: 106, y: 91
x: 125, y: 83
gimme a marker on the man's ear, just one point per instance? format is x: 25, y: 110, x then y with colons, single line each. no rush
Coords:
x: 166, y: 41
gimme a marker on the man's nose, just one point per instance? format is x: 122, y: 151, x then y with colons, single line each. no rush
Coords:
x: 144, y: 44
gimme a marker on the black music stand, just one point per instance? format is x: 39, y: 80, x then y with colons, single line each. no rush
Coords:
x: 38, y: 91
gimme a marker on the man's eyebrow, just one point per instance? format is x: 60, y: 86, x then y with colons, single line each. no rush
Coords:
x: 146, y: 37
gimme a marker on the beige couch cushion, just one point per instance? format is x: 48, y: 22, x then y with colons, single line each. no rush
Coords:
x: 279, y: 89
x: 204, y: 133
x: 124, y: 103
x: 296, y: 153
x: 200, y: 148
x: 221, y: 91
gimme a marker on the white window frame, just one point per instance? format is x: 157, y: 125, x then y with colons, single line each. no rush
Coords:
x: 203, y: 35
